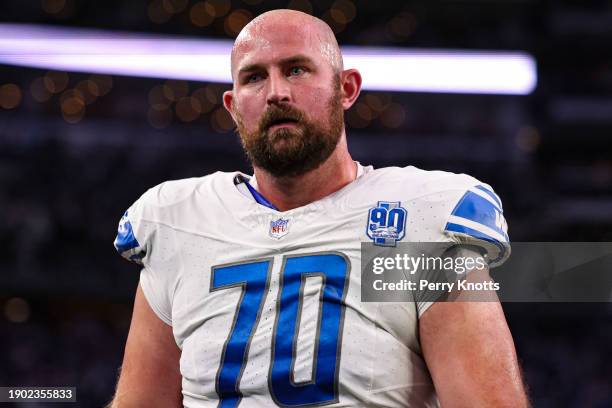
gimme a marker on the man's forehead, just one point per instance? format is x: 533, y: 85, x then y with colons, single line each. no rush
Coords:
x: 265, y: 50
x: 275, y: 38
x: 279, y: 37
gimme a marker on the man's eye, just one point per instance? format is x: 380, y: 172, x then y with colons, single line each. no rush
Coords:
x: 253, y: 78
x: 296, y: 71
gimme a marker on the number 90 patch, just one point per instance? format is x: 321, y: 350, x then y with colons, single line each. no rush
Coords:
x: 386, y: 223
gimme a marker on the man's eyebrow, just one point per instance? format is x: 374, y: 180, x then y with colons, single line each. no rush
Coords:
x: 296, y: 59
x: 285, y: 61
x: 250, y: 68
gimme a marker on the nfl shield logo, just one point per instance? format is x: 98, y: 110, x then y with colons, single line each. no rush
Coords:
x: 279, y: 228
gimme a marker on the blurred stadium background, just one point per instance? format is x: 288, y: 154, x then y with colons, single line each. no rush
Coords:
x: 76, y: 149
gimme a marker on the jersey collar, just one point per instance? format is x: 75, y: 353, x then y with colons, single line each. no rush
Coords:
x: 248, y: 187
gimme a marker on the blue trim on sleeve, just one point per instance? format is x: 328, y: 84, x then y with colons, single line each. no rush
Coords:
x: 478, y: 235
x: 492, y: 195
x: 480, y: 210
x: 125, y: 236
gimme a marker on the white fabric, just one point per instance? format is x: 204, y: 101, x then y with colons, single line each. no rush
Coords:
x: 185, y: 228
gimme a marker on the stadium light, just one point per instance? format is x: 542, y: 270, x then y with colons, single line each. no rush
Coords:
x: 383, y: 69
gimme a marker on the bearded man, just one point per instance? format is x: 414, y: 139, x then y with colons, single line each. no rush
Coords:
x: 250, y: 289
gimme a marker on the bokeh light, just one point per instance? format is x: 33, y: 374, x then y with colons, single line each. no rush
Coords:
x: 206, y: 97
x: 527, y: 139
x: 72, y: 104
x: 93, y: 87
x: 394, y: 116
x: 221, y: 121
x: 202, y: 14
x: 103, y: 84
x: 56, y: 81
x: 38, y: 90
x: 236, y: 21
x: 71, y: 93
x: 376, y: 102
x: 364, y: 111
x: 88, y: 90
x: 220, y: 7
x: 355, y: 120
x: 174, y: 6
x: 17, y: 310
x: 343, y: 11
x: 175, y: 89
x: 401, y: 26
x: 157, y: 13
x: 332, y: 19
x: 157, y: 98
x: 216, y: 92
x: 188, y: 108
x: 73, y: 110
x: 10, y: 96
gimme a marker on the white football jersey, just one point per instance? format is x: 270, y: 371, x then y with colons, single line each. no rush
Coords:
x: 266, y: 305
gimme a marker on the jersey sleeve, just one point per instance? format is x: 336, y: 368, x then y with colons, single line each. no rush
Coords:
x: 126, y: 242
x: 467, y: 214
x: 477, y: 219
x: 136, y: 241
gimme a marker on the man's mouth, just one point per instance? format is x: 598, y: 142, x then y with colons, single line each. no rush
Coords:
x: 280, y: 123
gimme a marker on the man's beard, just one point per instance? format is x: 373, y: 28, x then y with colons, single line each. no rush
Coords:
x: 290, y: 152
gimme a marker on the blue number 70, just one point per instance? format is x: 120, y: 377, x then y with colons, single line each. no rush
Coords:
x: 254, y: 278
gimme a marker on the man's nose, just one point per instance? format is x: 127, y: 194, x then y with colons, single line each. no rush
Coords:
x: 279, y: 89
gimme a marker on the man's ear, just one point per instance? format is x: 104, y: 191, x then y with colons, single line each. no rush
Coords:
x: 228, y: 102
x: 350, y: 82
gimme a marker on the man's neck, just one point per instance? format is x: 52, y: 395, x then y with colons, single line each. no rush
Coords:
x: 287, y: 193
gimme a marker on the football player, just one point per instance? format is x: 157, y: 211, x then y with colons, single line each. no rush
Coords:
x: 250, y: 290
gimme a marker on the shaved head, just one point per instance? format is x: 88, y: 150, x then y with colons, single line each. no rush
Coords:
x: 257, y: 34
